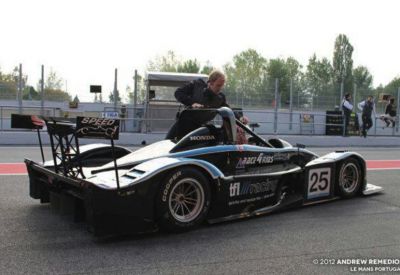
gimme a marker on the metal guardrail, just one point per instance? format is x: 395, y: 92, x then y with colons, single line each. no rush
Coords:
x: 271, y: 122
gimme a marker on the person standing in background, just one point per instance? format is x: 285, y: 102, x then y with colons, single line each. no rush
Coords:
x: 367, y: 107
x: 347, y: 109
x: 390, y: 113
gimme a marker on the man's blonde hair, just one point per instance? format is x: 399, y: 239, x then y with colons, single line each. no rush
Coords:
x: 214, y: 75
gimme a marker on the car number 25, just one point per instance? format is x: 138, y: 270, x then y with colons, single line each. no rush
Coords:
x: 319, y: 183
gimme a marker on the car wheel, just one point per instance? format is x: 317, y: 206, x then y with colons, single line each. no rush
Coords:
x: 349, y: 178
x: 184, y: 200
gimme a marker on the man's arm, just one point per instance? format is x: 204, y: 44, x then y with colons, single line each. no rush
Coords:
x: 184, y: 94
x: 361, y: 105
x: 348, y: 105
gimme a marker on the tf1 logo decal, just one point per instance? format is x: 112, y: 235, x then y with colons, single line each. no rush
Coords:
x: 260, y: 159
x: 248, y: 188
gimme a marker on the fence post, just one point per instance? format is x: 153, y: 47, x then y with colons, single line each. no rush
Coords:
x: 135, y: 99
x: 398, y: 109
x: 276, y: 106
x: 341, y: 95
x: 1, y: 115
x: 354, y: 96
x: 115, y: 90
x: 291, y: 104
x: 20, y: 90
x: 42, y: 92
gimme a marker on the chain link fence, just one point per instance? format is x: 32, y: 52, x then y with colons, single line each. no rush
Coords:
x: 278, y: 107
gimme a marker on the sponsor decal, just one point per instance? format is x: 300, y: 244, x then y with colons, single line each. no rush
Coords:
x: 202, y: 138
x: 281, y: 156
x: 168, y: 185
x: 250, y: 200
x: 260, y: 159
x: 93, y: 127
x: 97, y: 121
x: 252, y: 188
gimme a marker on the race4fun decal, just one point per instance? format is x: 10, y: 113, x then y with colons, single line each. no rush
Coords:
x: 168, y: 185
x: 260, y: 159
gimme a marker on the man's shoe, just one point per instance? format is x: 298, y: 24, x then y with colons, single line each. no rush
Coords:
x: 364, y: 133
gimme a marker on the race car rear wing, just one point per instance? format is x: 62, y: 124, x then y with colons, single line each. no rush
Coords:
x: 64, y: 138
x: 104, y: 128
x: 29, y: 122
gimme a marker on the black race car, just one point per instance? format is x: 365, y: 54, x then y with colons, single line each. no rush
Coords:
x: 176, y: 186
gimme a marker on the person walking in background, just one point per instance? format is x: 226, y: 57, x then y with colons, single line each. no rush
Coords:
x: 347, y: 109
x: 367, y: 107
x: 390, y: 113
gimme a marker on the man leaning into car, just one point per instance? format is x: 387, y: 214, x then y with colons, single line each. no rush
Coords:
x: 198, y: 94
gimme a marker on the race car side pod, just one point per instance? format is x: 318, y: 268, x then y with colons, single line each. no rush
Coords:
x: 115, y: 162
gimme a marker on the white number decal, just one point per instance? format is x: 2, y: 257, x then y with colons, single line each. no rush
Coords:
x: 319, y: 182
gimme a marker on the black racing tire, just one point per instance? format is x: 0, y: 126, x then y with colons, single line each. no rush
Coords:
x: 183, y: 200
x: 349, y: 178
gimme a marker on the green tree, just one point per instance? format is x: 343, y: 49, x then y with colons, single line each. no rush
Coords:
x: 189, y: 66
x: 141, y: 90
x: 111, y: 97
x: 53, y: 81
x: 343, y: 63
x: 53, y: 88
x: 392, y: 87
x: 363, y: 81
x: 166, y: 63
x: 318, y: 75
x: 284, y: 71
x: 9, y: 83
x: 29, y: 93
x: 56, y: 95
x: 319, y: 90
x: 207, y: 68
x: 245, y: 77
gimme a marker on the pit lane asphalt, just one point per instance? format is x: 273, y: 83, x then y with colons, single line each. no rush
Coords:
x: 34, y: 239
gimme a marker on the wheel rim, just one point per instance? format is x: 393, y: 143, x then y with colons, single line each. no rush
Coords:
x: 349, y: 177
x: 186, y: 200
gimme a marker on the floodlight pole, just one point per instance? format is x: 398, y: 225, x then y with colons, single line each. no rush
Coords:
x: 135, y: 90
x: 135, y: 87
x: 115, y: 89
x: 276, y: 105
x: 42, y: 92
x: 291, y: 104
x: 398, y: 109
x: 341, y: 95
x: 19, y: 97
x: 354, y: 95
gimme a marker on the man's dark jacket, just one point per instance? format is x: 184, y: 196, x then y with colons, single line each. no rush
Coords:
x: 197, y: 92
